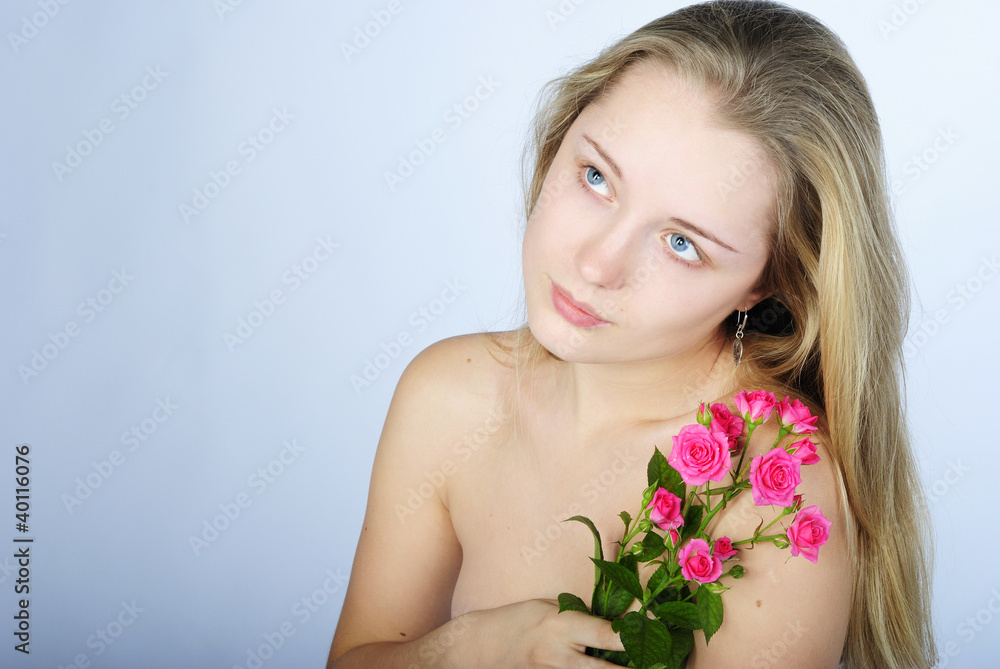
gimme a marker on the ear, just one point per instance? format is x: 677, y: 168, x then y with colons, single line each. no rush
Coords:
x: 753, y: 298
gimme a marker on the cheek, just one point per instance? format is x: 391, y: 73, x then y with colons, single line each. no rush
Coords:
x: 670, y: 292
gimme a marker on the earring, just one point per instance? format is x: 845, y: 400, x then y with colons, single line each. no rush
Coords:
x: 738, y: 344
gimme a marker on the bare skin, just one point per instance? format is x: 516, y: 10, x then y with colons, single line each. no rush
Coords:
x: 463, y: 549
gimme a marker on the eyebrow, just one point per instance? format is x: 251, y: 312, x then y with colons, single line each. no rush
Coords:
x: 604, y: 155
x: 687, y: 225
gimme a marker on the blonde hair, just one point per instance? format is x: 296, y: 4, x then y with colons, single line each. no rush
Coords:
x: 782, y: 77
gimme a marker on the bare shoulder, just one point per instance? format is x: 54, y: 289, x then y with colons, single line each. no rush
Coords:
x: 461, y: 370
x: 446, y: 385
x: 449, y: 389
x: 786, y: 611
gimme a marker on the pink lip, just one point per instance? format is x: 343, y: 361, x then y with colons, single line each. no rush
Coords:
x: 577, y: 313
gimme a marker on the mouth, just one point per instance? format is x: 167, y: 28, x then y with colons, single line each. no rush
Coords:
x: 580, y: 314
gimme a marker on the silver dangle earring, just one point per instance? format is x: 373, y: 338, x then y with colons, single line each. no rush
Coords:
x: 738, y: 344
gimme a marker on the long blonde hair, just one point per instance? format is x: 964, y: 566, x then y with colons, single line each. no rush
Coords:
x: 781, y: 76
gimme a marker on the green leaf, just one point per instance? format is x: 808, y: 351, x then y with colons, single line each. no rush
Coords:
x: 658, y: 577
x: 715, y: 587
x: 692, y: 521
x: 629, y: 562
x: 656, y: 467
x: 621, y: 575
x: 626, y: 518
x: 647, y: 641
x: 598, y: 549
x: 679, y: 614
x: 669, y: 594
x: 659, y: 472
x: 612, y: 600
x: 613, y: 656
x: 682, y: 644
x: 652, y: 547
x: 709, y: 611
x: 570, y: 602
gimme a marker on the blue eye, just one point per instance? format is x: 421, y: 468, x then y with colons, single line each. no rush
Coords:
x: 683, y: 247
x: 597, y: 182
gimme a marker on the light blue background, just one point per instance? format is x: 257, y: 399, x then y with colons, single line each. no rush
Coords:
x: 933, y: 67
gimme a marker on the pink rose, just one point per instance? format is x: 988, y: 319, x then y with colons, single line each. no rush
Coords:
x: 805, y: 451
x: 699, y: 454
x: 773, y: 477
x: 795, y: 415
x: 758, y: 405
x: 725, y: 421
x: 674, y: 537
x: 808, y: 532
x: 723, y: 548
x: 666, y: 511
x: 697, y: 564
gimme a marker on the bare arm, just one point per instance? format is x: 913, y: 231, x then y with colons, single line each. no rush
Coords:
x: 406, y: 564
x: 786, y: 611
x: 397, y: 612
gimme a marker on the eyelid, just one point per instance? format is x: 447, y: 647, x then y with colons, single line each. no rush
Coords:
x: 581, y: 176
x: 593, y: 157
x: 702, y: 259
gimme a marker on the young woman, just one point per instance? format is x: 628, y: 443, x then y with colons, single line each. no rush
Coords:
x: 720, y: 165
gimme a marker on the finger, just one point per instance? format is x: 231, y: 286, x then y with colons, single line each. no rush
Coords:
x: 595, y: 632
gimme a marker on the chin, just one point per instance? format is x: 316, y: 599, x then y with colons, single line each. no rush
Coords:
x: 560, y: 342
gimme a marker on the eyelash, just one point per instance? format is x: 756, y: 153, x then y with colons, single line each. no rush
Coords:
x: 582, y: 180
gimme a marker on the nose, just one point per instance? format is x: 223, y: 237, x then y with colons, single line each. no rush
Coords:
x: 603, y: 258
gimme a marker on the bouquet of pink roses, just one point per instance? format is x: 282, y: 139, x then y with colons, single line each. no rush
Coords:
x: 683, y: 593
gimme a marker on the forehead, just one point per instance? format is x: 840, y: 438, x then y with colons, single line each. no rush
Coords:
x: 663, y: 130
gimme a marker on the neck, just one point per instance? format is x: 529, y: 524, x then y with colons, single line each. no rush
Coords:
x: 603, y: 398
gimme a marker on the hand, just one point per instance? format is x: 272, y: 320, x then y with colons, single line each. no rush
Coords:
x: 533, y: 633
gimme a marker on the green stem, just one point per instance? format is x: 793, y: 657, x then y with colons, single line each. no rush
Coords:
x: 760, y: 539
x: 746, y: 447
x: 784, y: 512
